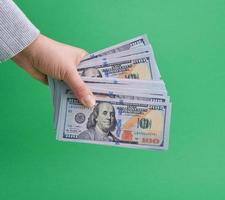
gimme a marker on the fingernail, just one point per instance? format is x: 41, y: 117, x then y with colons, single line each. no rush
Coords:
x: 88, y: 101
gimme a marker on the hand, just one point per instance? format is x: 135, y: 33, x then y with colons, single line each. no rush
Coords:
x: 47, y: 57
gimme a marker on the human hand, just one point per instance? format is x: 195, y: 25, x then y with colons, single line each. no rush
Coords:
x: 47, y: 57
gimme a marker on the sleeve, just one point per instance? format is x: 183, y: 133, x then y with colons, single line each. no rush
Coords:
x: 16, y: 31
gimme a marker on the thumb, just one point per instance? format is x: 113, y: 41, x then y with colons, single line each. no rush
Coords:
x: 79, y: 88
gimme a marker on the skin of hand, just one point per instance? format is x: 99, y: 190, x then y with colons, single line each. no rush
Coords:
x: 45, y: 57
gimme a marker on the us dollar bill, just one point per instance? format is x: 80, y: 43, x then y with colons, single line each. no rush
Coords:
x: 130, y: 52
x: 130, y: 67
x: 151, y: 92
x: 125, y: 83
x: 139, y: 124
x: 115, y: 93
x: 139, y: 41
x: 127, y: 88
x: 122, y: 87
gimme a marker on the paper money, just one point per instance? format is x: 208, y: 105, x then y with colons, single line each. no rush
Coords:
x: 130, y: 67
x: 151, y: 90
x: 139, y: 41
x: 133, y: 108
x: 116, y: 122
x: 130, y: 52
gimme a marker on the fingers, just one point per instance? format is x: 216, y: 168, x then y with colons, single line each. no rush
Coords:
x: 26, y: 65
x: 36, y: 74
x: 79, y: 88
x: 40, y: 77
x: 82, y: 54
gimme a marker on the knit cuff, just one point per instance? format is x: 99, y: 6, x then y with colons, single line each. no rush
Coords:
x: 16, y: 31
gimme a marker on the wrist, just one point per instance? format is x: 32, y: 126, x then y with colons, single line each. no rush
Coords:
x: 28, y: 54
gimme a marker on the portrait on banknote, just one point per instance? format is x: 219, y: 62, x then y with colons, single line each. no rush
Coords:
x: 91, y: 72
x: 101, y: 122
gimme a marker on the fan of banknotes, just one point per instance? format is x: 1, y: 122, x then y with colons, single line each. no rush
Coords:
x: 132, y: 106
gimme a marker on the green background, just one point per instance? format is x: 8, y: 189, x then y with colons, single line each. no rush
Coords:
x: 188, y: 38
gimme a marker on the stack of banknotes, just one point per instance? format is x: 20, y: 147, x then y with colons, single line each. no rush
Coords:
x: 132, y: 106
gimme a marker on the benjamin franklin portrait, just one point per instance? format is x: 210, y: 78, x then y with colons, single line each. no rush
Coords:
x: 91, y: 72
x: 101, y: 123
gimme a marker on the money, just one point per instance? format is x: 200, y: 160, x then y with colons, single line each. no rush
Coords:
x: 132, y: 107
x: 147, y: 88
x: 115, y: 121
x: 139, y: 41
x: 129, y: 67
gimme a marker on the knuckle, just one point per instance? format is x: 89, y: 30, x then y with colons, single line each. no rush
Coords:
x: 81, y: 90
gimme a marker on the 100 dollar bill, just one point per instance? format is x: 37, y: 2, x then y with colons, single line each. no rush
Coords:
x: 139, y: 41
x: 139, y: 124
x: 122, y: 87
x: 130, y: 67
